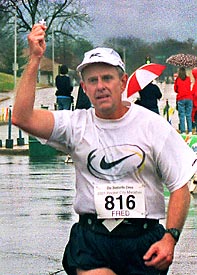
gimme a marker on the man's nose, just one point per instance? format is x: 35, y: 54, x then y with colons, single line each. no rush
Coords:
x: 100, y: 84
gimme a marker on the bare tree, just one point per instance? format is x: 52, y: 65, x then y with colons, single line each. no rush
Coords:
x: 7, y: 46
x: 65, y: 16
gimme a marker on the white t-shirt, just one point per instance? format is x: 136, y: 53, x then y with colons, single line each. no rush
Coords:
x: 140, y: 147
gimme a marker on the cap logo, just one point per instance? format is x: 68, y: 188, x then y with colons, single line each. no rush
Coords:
x: 95, y: 54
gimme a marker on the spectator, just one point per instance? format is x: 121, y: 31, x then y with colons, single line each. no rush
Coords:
x: 83, y: 101
x: 184, y: 98
x: 64, y: 89
x: 149, y: 97
x: 194, y: 93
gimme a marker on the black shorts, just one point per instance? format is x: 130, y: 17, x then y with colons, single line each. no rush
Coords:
x: 89, y: 248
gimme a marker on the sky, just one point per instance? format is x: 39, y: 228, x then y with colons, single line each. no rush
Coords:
x: 150, y: 20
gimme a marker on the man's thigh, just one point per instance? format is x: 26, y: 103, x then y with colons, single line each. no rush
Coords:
x: 97, y: 271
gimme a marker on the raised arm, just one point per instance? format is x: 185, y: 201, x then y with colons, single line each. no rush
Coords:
x: 36, y: 122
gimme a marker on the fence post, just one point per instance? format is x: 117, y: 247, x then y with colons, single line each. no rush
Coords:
x: 20, y: 139
x: 9, y: 141
x: 1, y: 120
x: 167, y: 110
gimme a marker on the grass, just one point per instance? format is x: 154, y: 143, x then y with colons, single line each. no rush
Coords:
x: 6, y: 82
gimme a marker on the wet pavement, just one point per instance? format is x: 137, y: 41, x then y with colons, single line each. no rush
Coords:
x: 185, y: 261
x: 36, y: 211
x: 35, y: 214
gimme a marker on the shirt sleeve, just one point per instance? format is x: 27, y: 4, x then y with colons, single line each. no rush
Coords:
x: 175, y: 86
x: 176, y: 161
x: 61, y: 136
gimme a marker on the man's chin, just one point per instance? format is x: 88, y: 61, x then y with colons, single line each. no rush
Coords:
x: 105, y: 111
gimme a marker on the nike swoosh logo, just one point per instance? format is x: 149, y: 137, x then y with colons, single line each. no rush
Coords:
x: 107, y: 165
x: 194, y: 162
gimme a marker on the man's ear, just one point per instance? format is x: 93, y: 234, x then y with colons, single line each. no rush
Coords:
x: 83, y: 86
x: 124, y: 81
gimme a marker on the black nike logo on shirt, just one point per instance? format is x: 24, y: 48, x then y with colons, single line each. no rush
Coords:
x: 194, y: 162
x: 107, y: 165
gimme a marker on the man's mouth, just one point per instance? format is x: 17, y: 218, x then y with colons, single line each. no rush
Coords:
x: 102, y: 96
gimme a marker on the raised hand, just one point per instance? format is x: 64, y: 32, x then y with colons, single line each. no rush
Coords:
x: 36, y: 40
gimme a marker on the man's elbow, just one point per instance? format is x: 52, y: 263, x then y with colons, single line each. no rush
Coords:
x: 19, y: 121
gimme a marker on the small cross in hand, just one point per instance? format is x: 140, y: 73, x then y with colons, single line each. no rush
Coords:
x: 42, y: 22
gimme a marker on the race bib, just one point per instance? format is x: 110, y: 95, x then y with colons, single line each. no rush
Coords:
x: 114, y: 201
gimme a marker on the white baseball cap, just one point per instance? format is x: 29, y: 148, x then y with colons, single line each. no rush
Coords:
x: 101, y: 55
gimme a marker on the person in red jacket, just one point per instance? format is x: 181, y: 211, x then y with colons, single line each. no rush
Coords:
x: 194, y: 92
x: 182, y: 86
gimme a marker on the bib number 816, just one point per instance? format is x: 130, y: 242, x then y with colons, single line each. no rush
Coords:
x: 110, y: 202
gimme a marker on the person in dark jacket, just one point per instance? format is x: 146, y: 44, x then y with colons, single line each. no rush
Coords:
x: 149, y: 97
x: 83, y: 101
x: 64, y: 89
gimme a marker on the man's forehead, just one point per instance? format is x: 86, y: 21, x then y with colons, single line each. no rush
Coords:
x: 99, y: 68
x: 98, y: 65
x: 101, y: 74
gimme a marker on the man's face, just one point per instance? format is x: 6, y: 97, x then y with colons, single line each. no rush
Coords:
x: 104, y: 87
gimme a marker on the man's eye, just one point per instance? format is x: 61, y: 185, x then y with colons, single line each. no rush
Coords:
x: 92, y: 80
x: 107, y: 77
